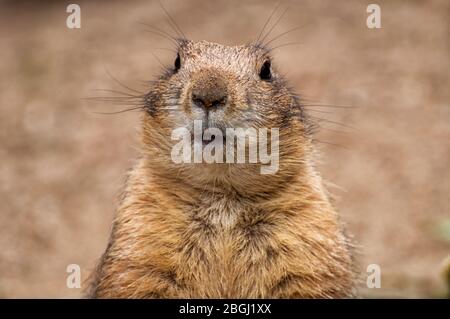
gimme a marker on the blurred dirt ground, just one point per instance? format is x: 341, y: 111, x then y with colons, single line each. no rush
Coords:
x: 62, y: 165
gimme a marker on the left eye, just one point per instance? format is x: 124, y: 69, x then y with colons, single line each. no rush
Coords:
x: 265, y: 73
x: 177, y: 63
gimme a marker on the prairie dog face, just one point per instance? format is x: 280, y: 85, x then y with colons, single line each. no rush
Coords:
x: 221, y: 87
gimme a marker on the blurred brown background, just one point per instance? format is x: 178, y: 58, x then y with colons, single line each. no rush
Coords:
x: 62, y: 164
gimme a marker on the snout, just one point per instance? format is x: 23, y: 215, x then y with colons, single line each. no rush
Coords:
x: 209, y: 90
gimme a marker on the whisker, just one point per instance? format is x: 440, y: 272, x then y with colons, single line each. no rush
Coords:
x: 285, y: 45
x: 121, y: 84
x: 334, y: 130
x: 172, y: 22
x: 158, y: 30
x: 118, y: 92
x: 159, y: 61
x: 319, y: 119
x: 319, y: 111
x: 330, y: 106
x: 121, y: 111
x: 273, y: 27
x: 267, y: 21
x: 332, y: 144
x: 166, y: 49
x: 284, y: 33
x: 115, y: 100
x: 316, y: 103
x: 164, y: 36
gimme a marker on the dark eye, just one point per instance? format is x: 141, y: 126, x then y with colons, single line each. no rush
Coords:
x: 265, y: 73
x: 177, y: 63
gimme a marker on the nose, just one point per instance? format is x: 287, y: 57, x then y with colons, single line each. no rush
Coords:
x: 209, y: 101
x: 209, y: 91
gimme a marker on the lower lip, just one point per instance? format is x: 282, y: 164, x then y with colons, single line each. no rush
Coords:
x: 206, y: 142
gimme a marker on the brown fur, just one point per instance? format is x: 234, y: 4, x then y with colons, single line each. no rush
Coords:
x: 224, y: 230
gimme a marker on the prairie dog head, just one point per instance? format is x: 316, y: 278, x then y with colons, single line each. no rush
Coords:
x: 213, y: 89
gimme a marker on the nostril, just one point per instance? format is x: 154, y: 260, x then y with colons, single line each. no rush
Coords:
x: 219, y: 102
x: 198, y: 101
x: 208, y: 101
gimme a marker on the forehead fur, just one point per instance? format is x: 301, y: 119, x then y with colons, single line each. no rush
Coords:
x: 243, y: 58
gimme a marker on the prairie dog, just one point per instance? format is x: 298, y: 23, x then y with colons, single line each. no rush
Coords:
x: 224, y: 230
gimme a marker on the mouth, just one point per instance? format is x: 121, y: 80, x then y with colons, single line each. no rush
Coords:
x: 208, y: 130
x: 220, y: 139
x: 213, y: 138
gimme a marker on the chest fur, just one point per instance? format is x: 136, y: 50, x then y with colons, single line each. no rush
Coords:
x: 228, y: 248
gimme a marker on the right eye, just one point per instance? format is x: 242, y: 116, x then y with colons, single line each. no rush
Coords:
x: 177, y: 62
x: 265, y: 73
